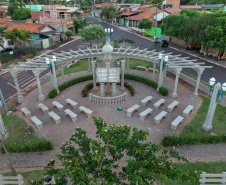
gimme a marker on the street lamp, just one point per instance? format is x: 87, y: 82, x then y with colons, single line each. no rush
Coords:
x: 109, y: 32
x: 217, y: 92
x: 162, y: 64
x: 52, y: 64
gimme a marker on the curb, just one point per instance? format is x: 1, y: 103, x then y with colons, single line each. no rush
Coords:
x: 169, y: 46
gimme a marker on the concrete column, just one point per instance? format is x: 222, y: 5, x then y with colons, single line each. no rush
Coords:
x: 89, y: 64
x: 41, y: 97
x: 153, y: 74
x: 132, y: 23
x: 113, y: 89
x: 94, y: 74
x: 207, y: 126
x: 160, y: 83
x: 62, y: 72
x: 122, y: 74
x: 199, y: 71
x: 165, y: 69
x: 20, y: 98
x: 177, y: 70
x: 3, y: 132
x: 55, y: 85
x: 102, y: 92
x: 127, y: 62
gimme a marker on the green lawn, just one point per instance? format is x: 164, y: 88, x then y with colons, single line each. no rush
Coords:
x: 219, y: 121
x: 195, y: 78
x: 80, y: 66
x: 213, y: 167
x: 133, y: 63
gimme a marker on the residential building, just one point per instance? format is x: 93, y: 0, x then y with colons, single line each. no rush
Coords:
x: 35, y: 8
x: 149, y: 7
x: 191, y: 7
x: 213, y: 7
x: 3, y: 12
x: 172, y: 6
x: 3, y: 21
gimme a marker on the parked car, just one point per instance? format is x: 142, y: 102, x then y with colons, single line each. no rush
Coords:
x: 162, y: 42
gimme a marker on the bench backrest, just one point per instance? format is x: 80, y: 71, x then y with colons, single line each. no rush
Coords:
x: 208, y: 177
x: 11, y: 180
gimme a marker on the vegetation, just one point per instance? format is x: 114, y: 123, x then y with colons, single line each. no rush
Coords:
x: 96, y: 161
x: 207, y: 30
x: 109, y: 12
x: 80, y: 24
x: 133, y: 63
x: 145, y: 23
x: 94, y: 32
x: 193, y: 132
x: 12, y: 7
x: 126, y: 41
x: 21, y: 14
x: 163, y: 91
x: 17, y: 142
x: 116, y: 44
x: 68, y: 33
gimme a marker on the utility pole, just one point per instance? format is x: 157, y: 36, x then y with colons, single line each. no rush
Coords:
x: 156, y: 19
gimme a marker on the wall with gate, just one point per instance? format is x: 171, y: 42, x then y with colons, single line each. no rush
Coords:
x: 151, y: 31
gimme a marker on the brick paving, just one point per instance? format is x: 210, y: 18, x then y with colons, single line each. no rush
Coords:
x: 61, y: 133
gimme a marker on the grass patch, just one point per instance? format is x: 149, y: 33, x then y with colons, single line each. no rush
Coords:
x: 212, y: 167
x: 201, y: 81
x: 194, y: 128
x: 80, y: 66
x: 133, y: 63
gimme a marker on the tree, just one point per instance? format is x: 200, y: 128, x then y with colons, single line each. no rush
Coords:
x: 12, y: 8
x: 69, y: 33
x: 109, y: 12
x: 92, y: 32
x: 126, y: 40
x: 21, y: 14
x: 145, y: 23
x: 121, y: 155
x: 79, y: 23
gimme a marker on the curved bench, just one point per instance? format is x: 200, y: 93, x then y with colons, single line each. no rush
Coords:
x: 171, y: 106
x: 43, y: 108
x: 71, y: 114
x: 146, y: 100
x: 176, y: 122
x: 132, y: 109
x: 159, y: 117
x: 159, y: 103
x: 72, y: 103
x: 145, y: 113
x: 88, y: 112
x: 55, y: 117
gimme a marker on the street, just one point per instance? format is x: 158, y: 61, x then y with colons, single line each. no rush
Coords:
x: 27, y: 78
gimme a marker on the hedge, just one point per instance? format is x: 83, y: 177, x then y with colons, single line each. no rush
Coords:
x: 53, y: 92
x: 90, y: 86
x: 29, y: 147
x: 193, y: 140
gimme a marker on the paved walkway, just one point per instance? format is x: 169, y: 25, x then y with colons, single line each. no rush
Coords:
x: 61, y: 133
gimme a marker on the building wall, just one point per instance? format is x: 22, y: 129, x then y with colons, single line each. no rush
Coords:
x: 46, y: 29
x: 121, y: 21
x: 161, y: 15
x: 6, y: 44
x: 35, y: 36
x: 151, y: 32
x: 35, y: 8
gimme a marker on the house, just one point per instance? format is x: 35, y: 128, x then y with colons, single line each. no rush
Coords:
x: 191, y: 7
x: 213, y: 7
x: 121, y: 18
x: 3, y: 12
x: 171, y: 6
x: 35, y: 8
x: 3, y: 21
x: 37, y: 16
x: 7, y: 43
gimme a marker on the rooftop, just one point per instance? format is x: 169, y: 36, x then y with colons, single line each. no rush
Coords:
x: 190, y: 6
x: 3, y: 9
x: 212, y: 5
x: 4, y: 20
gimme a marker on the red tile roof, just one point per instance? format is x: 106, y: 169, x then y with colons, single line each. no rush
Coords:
x: 3, y: 9
x: 4, y: 20
x: 146, y: 6
x: 133, y: 12
x: 148, y: 13
x: 190, y: 6
x: 33, y: 28
x: 36, y: 15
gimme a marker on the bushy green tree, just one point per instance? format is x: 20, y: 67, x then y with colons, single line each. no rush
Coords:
x: 94, y: 32
x: 145, y: 23
x: 79, y: 23
x: 21, y: 14
x: 109, y: 12
x: 68, y: 33
x: 119, y: 155
x: 12, y: 7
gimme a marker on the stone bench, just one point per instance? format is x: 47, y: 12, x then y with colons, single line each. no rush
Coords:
x: 132, y: 109
x: 145, y: 113
x: 72, y: 103
x: 146, y: 69
x: 159, y: 103
x: 43, y: 108
x: 58, y: 105
x: 71, y: 114
x: 37, y: 122
x: 159, y: 117
x: 187, y: 110
x: 171, y: 106
x: 146, y: 100
x: 11, y: 180
x: 55, y: 117
x: 176, y: 122
x: 88, y: 112
x: 26, y: 112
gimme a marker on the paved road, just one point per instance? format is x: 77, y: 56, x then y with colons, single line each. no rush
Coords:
x: 218, y: 72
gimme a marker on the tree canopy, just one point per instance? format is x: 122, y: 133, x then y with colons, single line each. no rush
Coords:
x: 68, y: 33
x: 94, y: 32
x: 79, y: 23
x: 12, y: 8
x: 109, y: 12
x: 145, y: 23
x: 21, y: 14
x: 119, y: 155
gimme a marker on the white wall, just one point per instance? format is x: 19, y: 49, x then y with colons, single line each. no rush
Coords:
x: 161, y: 15
x: 6, y: 45
x: 46, y: 29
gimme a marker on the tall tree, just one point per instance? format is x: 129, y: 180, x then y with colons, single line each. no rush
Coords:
x: 12, y: 7
x: 109, y: 12
x: 94, y: 32
x: 120, y: 155
x: 145, y: 23
x: 21, y: 14
x: 79, y: 23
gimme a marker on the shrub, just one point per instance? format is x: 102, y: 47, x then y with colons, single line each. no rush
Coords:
x: 29, y: 147
x: 52, y: 93
x: 192, y: 140
x: 163, y: 91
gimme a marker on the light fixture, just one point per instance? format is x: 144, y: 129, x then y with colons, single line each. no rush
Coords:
x: 47, y: 61
x: 224, y: 86
x: 54, y: 58
x: 106, y: 30
x: 166, y: 58
x: 160, y: 56
x: 212, y: 81
x: 111, y: 29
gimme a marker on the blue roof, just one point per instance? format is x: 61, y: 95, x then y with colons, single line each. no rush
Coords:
x: 212, y: 5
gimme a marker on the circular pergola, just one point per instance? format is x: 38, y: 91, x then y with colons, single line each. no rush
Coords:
x: 175, y: 62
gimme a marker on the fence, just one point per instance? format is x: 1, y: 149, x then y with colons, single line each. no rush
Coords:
x: 107, y: 100
x: 11, y: 180
x: 212, y: 178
